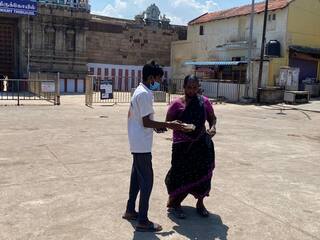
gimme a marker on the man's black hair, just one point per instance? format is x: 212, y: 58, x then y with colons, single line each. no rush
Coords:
x: 159, y: 71
x: 158, y: 68
x: 152, y: 62
x: 147, y: 71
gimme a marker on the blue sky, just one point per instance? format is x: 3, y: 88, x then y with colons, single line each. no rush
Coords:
x: 179, y: 11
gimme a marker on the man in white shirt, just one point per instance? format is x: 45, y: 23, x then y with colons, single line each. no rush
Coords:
x: 140, y: 133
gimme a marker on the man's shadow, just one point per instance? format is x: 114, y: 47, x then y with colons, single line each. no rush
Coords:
x: 148, y: 235
x: 197, y: 227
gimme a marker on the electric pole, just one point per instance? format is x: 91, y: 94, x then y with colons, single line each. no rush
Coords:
x: 263, y: 42
x: 250, y: 46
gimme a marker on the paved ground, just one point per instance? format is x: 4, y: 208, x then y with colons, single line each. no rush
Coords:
x: 64, y: 174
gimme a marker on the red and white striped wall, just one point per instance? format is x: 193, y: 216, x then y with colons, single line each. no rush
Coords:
x: 125, y: 77
x: 72, y: 85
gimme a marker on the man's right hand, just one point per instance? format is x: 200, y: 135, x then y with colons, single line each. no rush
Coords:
x: 176, y: 125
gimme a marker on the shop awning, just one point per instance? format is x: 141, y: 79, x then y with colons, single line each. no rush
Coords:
x: 216, y: 63
x: 306, y: 50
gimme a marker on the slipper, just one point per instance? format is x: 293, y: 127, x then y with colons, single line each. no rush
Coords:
x: 203, y: 212
x: 177, y: 212
x: 149, y: 227
x: 130, y: 216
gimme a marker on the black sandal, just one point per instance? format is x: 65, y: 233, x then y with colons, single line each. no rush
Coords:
x: 130, y: 216
x: 149, y: 227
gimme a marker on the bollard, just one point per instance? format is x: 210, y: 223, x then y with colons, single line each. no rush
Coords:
x: 57, y: 98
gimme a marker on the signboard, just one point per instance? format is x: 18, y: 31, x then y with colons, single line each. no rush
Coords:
x: 106, y: 89
x: 22, y: 7
x: 48, y: 87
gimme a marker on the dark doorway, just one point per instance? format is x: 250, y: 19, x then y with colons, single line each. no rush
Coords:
x: 308, y: 69
x: 8, y: 30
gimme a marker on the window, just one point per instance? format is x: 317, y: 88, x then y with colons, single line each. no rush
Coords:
x: 91, y: 71
x: 201, y: 30
x: 272, y: 17
x: 99, y: 72
x: 71, y: 40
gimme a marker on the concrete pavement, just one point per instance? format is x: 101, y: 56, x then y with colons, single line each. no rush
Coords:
x: 64, y: 174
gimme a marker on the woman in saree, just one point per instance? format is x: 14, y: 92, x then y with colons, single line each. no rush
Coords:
x: 193, y: 155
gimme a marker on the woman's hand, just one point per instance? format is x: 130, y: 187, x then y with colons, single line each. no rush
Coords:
x: 212, y: 131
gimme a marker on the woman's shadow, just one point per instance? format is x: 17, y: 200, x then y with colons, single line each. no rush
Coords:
x: 193, y: 227
x: 197, y: 227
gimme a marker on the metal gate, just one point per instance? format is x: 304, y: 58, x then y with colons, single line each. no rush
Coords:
x: 122, y: 89
x: 26, y: 90
x: 121, y: 92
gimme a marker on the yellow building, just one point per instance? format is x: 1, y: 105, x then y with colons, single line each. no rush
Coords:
x: 224, y: 36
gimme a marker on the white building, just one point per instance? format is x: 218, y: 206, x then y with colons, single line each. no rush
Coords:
x: 224, y: 36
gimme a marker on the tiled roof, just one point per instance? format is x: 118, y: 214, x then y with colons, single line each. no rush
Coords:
x: 240, y: 11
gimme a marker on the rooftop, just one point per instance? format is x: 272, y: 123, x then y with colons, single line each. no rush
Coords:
x: 240, y: 11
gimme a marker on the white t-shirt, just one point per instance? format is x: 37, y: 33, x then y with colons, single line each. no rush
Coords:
x: 140, y: 138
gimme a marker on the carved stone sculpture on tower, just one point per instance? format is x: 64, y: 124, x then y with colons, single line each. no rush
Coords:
x: 153, y: 13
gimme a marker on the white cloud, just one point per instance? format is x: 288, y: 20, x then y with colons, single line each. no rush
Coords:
x: 180, y: 12
x: 114, y: 10
x: 139, y: 2
x: 207, y: 6
x: 176, y: 20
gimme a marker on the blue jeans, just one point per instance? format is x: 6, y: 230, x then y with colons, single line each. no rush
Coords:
x: 141, y: 180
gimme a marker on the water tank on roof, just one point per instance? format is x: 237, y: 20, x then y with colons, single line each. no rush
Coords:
x: 273, y: 48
